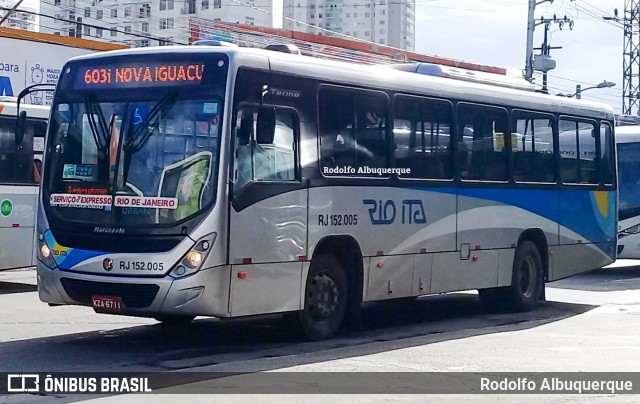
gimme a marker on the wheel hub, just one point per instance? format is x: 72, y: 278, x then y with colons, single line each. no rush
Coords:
x: 323, y: 296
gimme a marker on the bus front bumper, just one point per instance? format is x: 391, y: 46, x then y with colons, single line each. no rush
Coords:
x: 205, y: 293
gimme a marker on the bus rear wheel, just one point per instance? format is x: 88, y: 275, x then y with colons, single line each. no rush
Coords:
x: 326, y: 299
x: 527, y: 282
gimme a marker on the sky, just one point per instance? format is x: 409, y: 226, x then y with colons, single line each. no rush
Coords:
x: 493, y: 32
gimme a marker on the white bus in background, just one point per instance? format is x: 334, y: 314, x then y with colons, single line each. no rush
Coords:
x: 20, y: 169
x: 628, y: 145
x: 229, y: 182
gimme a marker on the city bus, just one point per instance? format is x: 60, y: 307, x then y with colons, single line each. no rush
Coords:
x: 230, y: 182
x: 20, y: 171
x: 628, y: 148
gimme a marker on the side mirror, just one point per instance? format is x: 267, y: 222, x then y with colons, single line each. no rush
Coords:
x: 266, y: 125
x: 21, y: 124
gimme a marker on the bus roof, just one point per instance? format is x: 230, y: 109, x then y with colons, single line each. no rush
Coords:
x: 380, y: 76
x: 628, y: 134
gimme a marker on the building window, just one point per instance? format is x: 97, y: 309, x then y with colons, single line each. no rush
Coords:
x: 72, y: 15
x: 127, y: 29
x: 72, y: 32
x: 114, y: 13
x: 163, y: 23
x: 99, y: 15
x: 169, y: 23
x: 127, y: 11
x: 87, y: 11
x: 143, y: 43
x: 87, y: 30
x: 145, y: 27
x: 169, y: 4
x: 381, y: 22
x: 114, y: 32
x: 355, y: 15
x: 367, y: 14
x: 205, y: 4
x: 367, y: 33
x: 56, y: 3
x: 190, y: 7
x: 99, y: 32
x: 163, y: 5
x: 217, y: 3
x: 381, y: 31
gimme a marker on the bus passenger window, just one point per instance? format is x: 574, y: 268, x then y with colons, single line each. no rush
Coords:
x: 577, y: 152
x: 481, y: 142
x: 422, y: 137
x: 353, y: 132
x: 606, y: 153
x: 532, y: 146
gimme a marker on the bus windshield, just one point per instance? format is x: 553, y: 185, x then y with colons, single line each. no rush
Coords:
x: 151, y: 161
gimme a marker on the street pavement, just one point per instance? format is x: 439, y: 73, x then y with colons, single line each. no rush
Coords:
x: 589, y: 323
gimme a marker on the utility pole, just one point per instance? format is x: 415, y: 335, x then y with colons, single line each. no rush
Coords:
x: 531, y: 26
x: 545, y: 49
x: 631, y: 51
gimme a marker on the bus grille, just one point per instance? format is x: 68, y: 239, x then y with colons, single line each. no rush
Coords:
x: 134, y: 296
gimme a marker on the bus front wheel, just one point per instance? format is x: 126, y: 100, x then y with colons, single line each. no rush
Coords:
x: 527, y: 282
x: 325, y: 300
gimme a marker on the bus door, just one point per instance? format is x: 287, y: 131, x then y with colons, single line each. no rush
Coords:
x: 20, y: 167
x: 268, y: 213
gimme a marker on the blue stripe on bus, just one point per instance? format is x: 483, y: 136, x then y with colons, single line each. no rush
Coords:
x: 590, y: 214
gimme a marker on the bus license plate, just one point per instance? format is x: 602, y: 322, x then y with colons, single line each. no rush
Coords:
x: 107, y: 304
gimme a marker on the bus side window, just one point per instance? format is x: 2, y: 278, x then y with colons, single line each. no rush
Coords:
x: 265, y: 162
x: 606, y: 152
x: 483, y: 155
x: 353, y: 131
x: 577, y: 152
x: 421, y: 136
x: 18, y: 165
x: 532, y: 146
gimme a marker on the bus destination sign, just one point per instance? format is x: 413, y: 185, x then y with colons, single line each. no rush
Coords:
x: 138, y: 75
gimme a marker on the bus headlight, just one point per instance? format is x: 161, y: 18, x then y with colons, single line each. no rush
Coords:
x: 46, y: 256
x: 193, y: 260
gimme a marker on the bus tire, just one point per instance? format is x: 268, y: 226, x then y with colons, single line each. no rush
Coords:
x: 326, y: 299
x: 172, y: 320
x: 527, y: 282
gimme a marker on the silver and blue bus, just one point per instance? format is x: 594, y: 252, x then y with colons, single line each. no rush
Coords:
x: 229, y: 182
x: 20, y: 171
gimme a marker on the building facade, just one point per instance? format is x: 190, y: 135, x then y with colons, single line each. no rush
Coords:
x: 23, y: 19
x: 146, y: 22
x: 387, y: 22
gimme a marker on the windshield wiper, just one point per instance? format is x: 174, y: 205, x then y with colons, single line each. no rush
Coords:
x: 142, y: 133
x: 100, y: 133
